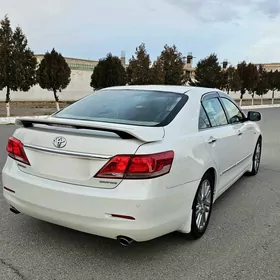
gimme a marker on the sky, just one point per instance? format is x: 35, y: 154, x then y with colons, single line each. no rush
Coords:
x: 235, y: 30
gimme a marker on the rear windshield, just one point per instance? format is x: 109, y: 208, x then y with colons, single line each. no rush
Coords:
x: 133, y: 107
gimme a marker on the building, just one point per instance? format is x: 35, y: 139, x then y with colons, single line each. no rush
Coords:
x: 78, y: 64
x: 188, y: 67
x: 271, y: 66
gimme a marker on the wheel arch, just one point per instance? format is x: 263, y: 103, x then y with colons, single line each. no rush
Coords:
x: 212, y: 171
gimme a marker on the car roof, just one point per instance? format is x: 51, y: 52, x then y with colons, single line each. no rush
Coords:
x: 192, y: 92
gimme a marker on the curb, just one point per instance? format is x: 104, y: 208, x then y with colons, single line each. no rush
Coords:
x: 11, y: 120
x: 261, y: 106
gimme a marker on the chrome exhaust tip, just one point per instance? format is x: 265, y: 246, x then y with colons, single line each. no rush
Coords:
x: 125, y: 241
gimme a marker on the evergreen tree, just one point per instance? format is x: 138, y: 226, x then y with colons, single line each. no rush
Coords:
x: 236, y: 82
x: 252, y: 77
x: 231, y: 79
x: 227, y: 75
x: 138, y: 70
x: 171, y: 62
x: 156, y: 73
x: 241, y: 70
x: 248, y: 74
x: 208, y: 73
x: 274, y: 82
x: 108, y: 72
x: 54, y: 74
x: 17, y: 61
x: 262, y: 85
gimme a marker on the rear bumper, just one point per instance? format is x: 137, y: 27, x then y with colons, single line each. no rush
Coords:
x: 89, y: 209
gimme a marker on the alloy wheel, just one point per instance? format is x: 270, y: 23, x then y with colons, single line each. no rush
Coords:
x: 257, y: 158
x: 203, y: 205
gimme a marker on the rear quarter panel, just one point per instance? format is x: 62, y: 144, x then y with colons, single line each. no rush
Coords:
x: 191, y: 159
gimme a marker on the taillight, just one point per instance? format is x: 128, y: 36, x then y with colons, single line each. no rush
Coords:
x: 137, y: 166
x: 16, y: 151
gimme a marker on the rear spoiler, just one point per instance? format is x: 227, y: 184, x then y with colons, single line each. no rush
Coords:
x: 143, y: 133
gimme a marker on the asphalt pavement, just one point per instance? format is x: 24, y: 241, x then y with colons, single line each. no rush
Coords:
x: 242, y: 241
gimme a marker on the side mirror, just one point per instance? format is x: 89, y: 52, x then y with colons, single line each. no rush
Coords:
x: 254, y: 116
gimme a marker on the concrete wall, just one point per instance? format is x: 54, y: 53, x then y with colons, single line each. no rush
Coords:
x: 248, y: 96
x: 78, y: 88
x: 80, y: 85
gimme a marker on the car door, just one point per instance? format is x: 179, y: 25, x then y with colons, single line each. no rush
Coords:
x: 244, y: 130
x: 220, y: 138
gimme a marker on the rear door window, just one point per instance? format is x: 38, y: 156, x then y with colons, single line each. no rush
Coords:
x: 134, y: 107
x: 215, y: 112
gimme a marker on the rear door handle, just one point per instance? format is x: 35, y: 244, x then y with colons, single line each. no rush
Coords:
x: 212, y: 140
x: 239, y: 133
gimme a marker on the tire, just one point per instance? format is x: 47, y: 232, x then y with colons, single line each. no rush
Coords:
x: 202, y: 207
x: 256, y: 159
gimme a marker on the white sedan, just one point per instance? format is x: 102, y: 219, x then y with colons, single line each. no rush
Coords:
x: 132, y: 163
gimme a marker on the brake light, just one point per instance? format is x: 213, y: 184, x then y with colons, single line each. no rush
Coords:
x: 16, y: 151
x: 137, y: 166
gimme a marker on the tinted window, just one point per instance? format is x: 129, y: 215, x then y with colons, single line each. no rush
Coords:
x: 203, y: 120
x: 136, y: 107
x: 215, y: 112
x: 235, y: 115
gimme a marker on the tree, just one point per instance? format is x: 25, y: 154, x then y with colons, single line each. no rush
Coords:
x: 248, y: 74
x: 274, y: 82
x: 54, y: 74
x: 108, y: 72
x: 252, y: 77
x: 171, y: 63
x: 236, y: 82
x: 157, y: 75
x: 241, y: 70
x: 208, y: 73
x: 17, y: 61
x: 262, y: 86
x: 231, y: 80
x: 138, y: 70
x: 128, y: 75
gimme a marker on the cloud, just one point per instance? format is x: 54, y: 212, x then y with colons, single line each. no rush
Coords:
x: 235, y: 30
x: 226, y: 10
x: 207, y: 11
x: 270, y: 8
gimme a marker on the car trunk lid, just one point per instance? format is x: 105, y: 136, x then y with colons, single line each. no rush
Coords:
x: 74, y: 151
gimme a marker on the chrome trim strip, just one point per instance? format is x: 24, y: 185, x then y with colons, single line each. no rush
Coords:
x: 228, y: 169
x: 66, y: 153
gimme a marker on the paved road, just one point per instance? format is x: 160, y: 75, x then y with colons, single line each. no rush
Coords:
x: 242, y: 241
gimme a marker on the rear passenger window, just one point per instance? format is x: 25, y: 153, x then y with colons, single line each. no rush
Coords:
x: 203, y: 120
x: 215, y: 112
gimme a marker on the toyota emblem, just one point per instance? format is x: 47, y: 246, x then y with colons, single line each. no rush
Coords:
x: 59, y: 142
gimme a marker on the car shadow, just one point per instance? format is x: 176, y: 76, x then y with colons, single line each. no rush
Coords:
x: 80, y: 241
x: 236, y: 189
